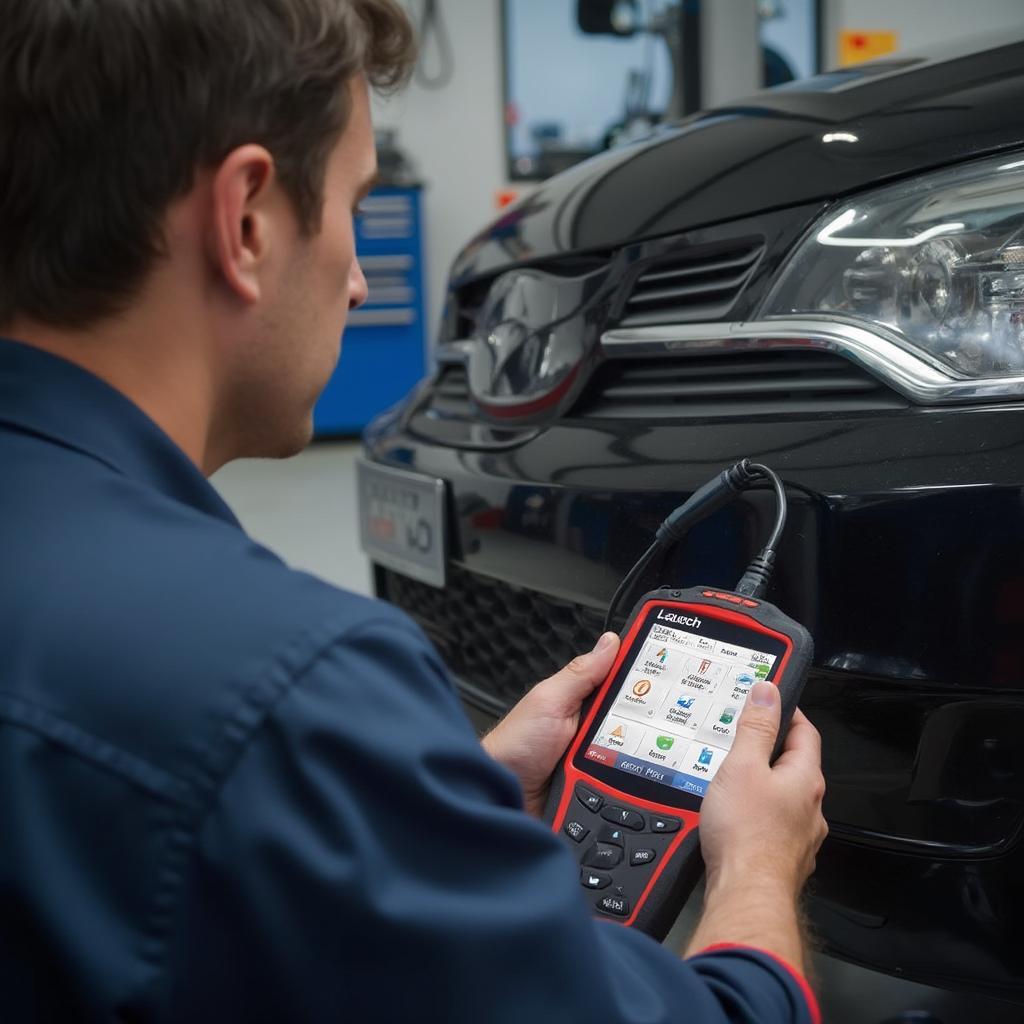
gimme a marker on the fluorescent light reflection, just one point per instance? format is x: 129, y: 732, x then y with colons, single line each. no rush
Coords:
x: 840, y: 137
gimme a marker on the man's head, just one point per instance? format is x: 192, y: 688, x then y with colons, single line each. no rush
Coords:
x: 219, y: 143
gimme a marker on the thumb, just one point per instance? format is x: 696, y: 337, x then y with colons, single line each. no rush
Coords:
x: 759, y: 724
x: 575, y: 682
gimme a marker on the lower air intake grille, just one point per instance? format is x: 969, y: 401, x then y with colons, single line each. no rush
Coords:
x: 498, y: 638
x: 737, y: 384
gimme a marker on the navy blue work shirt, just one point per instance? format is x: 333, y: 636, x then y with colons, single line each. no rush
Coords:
x: 231, y: 792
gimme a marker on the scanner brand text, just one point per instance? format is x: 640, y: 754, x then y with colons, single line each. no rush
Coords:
x: 682, y: 620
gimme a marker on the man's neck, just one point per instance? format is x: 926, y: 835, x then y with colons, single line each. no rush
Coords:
x: 165, y: 380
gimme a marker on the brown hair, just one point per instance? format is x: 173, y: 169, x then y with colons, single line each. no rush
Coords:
x: 109, y: 107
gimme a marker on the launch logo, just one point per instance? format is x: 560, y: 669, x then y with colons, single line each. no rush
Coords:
x: 680, y: 620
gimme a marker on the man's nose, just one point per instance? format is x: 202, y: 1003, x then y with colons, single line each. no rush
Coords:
x: 358, y: 289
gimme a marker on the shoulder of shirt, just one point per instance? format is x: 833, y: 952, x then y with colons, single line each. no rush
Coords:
x: 186, y: 635
x: 275, y: 625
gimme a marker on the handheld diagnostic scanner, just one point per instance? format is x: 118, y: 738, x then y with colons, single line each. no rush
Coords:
x: 627, y: 795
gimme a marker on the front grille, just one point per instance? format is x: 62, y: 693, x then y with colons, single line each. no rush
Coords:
x: 697, y: 284
x: 498, y: 638
x: 734, y: 384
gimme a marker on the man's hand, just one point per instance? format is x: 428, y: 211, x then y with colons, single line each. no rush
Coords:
x: 766, y: 815
x: 761, y: 827
x: 531, y: 738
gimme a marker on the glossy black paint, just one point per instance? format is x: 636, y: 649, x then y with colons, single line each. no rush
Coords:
x: 765, y: 153
x: 904, y: 553
x: 914, y: 594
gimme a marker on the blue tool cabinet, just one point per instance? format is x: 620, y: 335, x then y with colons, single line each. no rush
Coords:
x: 383, y: 354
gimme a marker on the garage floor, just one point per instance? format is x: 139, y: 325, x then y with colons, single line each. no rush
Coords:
x: 305, y: 510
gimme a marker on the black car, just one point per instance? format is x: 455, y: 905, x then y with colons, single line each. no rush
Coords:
x: 827, y: 277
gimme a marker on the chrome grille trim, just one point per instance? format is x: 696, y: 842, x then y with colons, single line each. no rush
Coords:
x: 914, y: 375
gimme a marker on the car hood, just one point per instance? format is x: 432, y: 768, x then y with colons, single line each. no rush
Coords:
x: 817, y: 139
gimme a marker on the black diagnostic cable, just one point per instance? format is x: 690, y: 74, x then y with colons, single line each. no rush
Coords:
x: 715, y: 494
x: 755, y: 580
x: 628, y: 582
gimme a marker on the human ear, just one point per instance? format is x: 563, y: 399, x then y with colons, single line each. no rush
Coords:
x: 241, y: 224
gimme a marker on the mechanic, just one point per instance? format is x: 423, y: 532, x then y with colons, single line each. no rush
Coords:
x: 229, y: 791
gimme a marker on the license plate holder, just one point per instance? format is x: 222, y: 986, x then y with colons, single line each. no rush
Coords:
x: 402, y: 521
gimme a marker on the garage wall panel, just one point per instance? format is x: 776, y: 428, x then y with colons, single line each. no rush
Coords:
x: 919, y: 23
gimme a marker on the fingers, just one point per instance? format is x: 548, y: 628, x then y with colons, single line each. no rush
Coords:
x: 759, y: 724
x: 801, y: 762
x: 576, y: 681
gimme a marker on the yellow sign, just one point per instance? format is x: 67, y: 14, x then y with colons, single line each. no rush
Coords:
x: 856, y: 47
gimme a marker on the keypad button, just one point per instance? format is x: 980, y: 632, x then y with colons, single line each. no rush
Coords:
x: 664, y: 824
x: 638, y: 858
x: 595, y: 879
x: 575, y: 831
x: 602, y: 855
x: 623, y: 816
x: 614, y: 905
x: 613, y: 835
x: 591, y: 800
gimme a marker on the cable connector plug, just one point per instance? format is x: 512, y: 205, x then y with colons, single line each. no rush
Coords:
x: 715, y: 494
x: 758, y: 575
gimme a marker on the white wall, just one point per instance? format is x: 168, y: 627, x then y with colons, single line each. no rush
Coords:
x: 730, y: 51
x: 919, y: 22
x: 456, y: 138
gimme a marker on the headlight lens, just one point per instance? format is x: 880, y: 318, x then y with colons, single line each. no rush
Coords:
x: 938, y: 262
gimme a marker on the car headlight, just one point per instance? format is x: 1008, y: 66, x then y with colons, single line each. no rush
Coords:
x: 937, y: 263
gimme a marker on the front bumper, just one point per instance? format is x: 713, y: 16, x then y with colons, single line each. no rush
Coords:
x: 904, y: 556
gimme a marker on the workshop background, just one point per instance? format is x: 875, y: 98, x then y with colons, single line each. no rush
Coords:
x: 505, y: 94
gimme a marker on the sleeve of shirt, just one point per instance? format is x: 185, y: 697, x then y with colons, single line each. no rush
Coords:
x: 366, y: 860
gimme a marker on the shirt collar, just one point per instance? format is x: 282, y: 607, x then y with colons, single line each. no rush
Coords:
x: 57, y: 400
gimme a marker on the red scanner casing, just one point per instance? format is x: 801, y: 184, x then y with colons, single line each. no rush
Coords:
x: 654, y: 895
